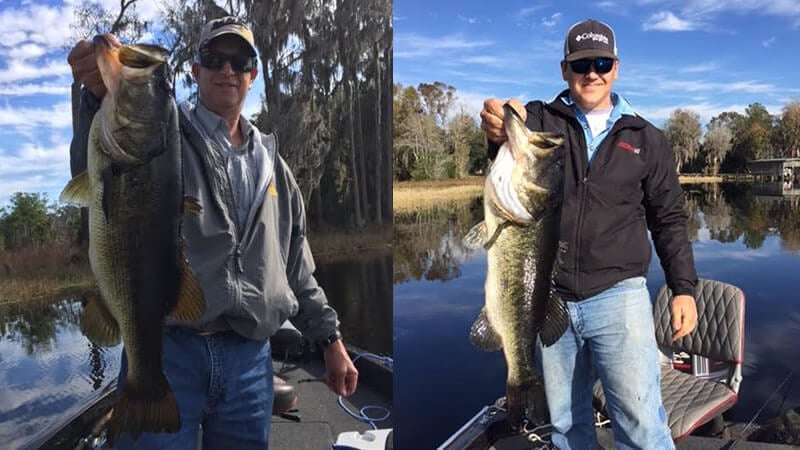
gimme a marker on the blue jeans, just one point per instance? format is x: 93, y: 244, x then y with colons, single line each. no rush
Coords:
x: 612, y: 337
x: 222, y: 382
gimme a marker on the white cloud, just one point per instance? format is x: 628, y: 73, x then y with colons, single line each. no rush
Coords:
x: 552, y: 21
x: 768, y: 43
x: 526, y: 12
x: 56, y: 116
x: 34, y: 168
x: 22, y: 70
x: 701, y: 68
x: 415, y: 45
x: 667, y: 21
x: 469, y: 20
x: 12, y: 89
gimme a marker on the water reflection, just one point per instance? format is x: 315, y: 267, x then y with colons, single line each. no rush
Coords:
x: 48, y: 370
x: 427, y: 244
x: 360, y: 291
x: 744, y: 234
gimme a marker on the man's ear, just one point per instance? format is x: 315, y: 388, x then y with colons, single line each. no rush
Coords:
x: 195, y: 70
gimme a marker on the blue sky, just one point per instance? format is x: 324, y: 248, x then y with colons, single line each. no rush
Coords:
x: 35, y: 79
x: 708, y: 56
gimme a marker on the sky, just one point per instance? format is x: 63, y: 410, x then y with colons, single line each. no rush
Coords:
x: 35, y: 80
x: 707, y: 56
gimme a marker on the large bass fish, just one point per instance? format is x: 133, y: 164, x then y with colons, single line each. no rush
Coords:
x: 520, y: 233
x: 133, y: 189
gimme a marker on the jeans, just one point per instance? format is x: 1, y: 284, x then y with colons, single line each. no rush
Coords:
x: 222, y: 382
x: 612, y: 337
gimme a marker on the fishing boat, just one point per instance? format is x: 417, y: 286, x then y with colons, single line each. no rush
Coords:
x: 700, y: 379
x: 320, y: 419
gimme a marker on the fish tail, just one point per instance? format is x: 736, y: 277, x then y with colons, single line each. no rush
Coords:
x: 135, y: 413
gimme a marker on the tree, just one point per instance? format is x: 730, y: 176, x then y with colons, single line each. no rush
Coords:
x: 26, y: 223
x: 326, y: 66
x: 422, y: 140
x: 407, y: 104
x: 463, y: 134
x: 790, y: 129
x: 437, y: 99
x: 683, y: 134
x: 716, y: 145
x: 757, y: 126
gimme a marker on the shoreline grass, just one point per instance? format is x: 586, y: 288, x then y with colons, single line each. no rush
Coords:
x: 415, y: 195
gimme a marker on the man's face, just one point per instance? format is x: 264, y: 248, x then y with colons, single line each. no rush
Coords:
x: 590, y: 90
x: 223, y: 90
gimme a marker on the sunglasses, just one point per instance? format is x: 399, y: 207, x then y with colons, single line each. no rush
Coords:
x: 583, y: 66
x: 239, y: 63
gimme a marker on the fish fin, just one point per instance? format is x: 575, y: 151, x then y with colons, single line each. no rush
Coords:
x: 77, y: 191
x: 477, y: 236
x: 191, y: 205
x: 483, y: 335
x: 190, y: 304
x: 98, y: 324
x: 137, y: 413
x: 108, y: 182
x: 556, y: 320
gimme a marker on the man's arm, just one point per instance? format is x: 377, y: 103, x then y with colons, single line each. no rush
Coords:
x: 315, y: 318
x: 666, y: 218
x: 85, y: 71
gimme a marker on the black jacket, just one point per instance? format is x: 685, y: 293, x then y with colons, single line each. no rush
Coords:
x: 632, y: 185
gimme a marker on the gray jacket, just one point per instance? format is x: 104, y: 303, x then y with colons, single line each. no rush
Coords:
x: 253, y: 282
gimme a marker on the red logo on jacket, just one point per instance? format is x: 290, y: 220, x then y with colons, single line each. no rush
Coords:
x: 626, y: 146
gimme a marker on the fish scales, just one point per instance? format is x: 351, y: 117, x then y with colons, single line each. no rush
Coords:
x: 133, y: 190
x: 522, y: 248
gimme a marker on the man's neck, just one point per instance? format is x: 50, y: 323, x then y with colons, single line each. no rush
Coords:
x: 231, y: 119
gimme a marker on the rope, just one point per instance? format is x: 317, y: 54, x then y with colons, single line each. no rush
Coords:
x: 362, y: 415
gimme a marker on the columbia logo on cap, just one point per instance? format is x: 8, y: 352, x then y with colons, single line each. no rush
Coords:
x: 589, y: 39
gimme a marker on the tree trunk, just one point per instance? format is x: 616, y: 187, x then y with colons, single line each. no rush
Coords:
x: 354, y: 183
x: 361, y: 154
x: 378, y: 173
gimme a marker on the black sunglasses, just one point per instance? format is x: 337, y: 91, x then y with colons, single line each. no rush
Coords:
x: 601, y: 65
x: 239, y: 63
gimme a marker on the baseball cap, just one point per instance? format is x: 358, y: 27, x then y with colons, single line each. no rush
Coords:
x: 589, y: 39
x: 226, y: 25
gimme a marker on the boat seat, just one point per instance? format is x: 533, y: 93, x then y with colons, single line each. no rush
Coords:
x: 692, y: 400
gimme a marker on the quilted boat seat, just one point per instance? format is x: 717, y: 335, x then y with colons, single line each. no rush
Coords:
x: 692, y: 400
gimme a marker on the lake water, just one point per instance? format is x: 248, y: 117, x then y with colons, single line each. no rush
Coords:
x: 49, y: 371
x: 746, y: 235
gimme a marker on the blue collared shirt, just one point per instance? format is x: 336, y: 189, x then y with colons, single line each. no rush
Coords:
x: 621, y: 107
x: 241, y: 164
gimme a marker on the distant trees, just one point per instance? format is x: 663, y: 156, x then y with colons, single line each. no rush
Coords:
x: 683, y: 133
x: 431, y: 141
x: 731, y: 139
x: 29, y: 222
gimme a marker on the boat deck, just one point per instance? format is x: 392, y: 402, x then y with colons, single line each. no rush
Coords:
x: 315, y: 424
x: 606, y: 441
x: 321, y: 417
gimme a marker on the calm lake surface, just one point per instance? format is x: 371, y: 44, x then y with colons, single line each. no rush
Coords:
x: 746, y: 235
x: 49, y: 371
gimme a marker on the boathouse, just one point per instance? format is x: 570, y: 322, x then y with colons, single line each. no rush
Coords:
x: 777, y: 169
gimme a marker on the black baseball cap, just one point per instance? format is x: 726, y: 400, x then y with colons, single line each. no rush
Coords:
x: 590, y: 39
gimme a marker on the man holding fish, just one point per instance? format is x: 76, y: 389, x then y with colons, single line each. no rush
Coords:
x: 240, y: 230
x: 619, y: 182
